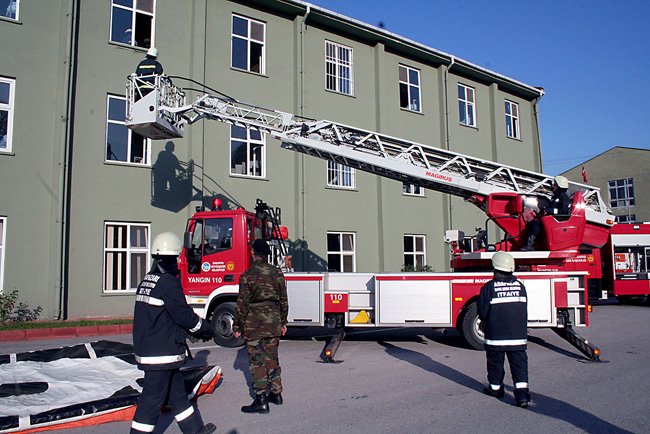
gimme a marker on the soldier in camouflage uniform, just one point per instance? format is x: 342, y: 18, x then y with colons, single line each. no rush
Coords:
x: 261, y: 317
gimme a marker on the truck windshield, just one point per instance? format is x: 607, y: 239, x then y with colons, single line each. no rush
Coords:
x: 217, y: 235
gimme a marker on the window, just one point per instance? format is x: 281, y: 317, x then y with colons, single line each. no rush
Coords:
x: 341, y: 255
x: 412, y: 190
x: 122, y: 144
x: 9, y: 9
x: 339, y: 175
x: 415, y: 251
x: 247, y: 152
x: 3, y: 225
x: 126, y: 255
x: 628, y: 218
x: 466, y: 105
x: 338, y: 68
x: 6, y: 113
x: 621, y: 193
x: 409, y: 88
x: 512, y: 119
x: 132, y: 22
x: 248, y: 44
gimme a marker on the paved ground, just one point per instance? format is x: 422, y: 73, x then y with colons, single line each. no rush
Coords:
x: 423, y: 381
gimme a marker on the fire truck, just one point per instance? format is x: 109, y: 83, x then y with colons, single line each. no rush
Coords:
x: 217, y: 242
x: 618, y: 269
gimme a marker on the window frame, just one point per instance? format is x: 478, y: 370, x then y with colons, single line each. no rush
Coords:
x: 129, y: 251
x: 17, y: 17
x: 339, y: 65
x: 249, y: 40
x: 342, y: 253
x: 133, y: 9
x: 512, y: 120
x: 628, y: 187
x: 409, y: 86
x: 250, y: 142
x: 409, y: 190
x: 415, y: 253
x: 467, y: 103
x: 9, y: 107
x: 625, y: 219
x: 3, y: 246
x: 338, y: 173
x: 146, y: 141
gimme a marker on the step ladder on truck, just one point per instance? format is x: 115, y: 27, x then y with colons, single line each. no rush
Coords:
x: 507, y: 196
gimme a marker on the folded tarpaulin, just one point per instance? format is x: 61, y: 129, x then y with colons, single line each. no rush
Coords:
x: 81, y: 385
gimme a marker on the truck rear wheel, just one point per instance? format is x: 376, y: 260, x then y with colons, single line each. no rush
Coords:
x: 223, y: 319
x: 470, y: 327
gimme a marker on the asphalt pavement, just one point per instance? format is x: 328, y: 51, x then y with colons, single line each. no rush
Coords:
x: 425, y: 381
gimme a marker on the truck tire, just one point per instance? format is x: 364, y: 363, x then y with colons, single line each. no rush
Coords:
x: 222, y: 320
x: 470, y: 327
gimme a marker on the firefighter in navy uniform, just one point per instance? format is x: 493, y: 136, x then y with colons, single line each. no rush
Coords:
x: 161, y: 320
x: 503, y: 311
x: 261, y: 317
x: 146, y: 69
x: 560, y: 206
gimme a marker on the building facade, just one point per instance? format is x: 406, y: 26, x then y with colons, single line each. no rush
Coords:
x: 83, y: 197
x: 616, y: 172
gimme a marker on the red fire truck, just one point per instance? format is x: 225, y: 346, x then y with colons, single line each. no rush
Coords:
x: 217, y: 242
x: 618, y: 269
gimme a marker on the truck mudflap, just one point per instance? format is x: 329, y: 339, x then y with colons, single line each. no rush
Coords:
x: 583, y: 345
x: 332, y: 346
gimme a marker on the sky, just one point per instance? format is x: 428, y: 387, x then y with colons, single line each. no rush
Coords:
x: 591, y: 57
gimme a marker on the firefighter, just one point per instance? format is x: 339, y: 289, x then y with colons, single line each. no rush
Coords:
x: 261, y: 317
x: 161, y: 320
x: 560, y: 206
x: 503, y: 311
x: 146, y: 71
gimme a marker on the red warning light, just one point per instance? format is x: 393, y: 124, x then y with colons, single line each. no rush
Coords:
x: 216, y: 204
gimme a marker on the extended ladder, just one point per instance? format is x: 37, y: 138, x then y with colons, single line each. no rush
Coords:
x: 380, y: 154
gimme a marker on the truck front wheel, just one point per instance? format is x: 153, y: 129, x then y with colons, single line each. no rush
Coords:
x: 223, y: 319
x: 470, y: 327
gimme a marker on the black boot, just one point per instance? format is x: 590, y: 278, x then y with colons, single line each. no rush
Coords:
x: 530, y: 245
x: 275, y: 398
x: 522, y: 397
x: 499, y: 393
x: 207, y: 429
x: 259, y: 405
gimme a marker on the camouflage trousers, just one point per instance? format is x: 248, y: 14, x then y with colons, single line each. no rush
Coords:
x: 264, y: 365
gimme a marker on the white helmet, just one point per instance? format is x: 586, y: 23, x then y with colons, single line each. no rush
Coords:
x: 153, y: 52
x: 503, y: 261
x: 562, y: 182
x: 166, y: 244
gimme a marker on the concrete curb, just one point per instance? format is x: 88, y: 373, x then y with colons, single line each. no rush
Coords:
x: 64, y: 332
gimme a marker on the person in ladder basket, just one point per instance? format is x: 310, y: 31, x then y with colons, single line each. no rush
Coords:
x: 160, y: 321
x: 503, y: 311
x: 560, y: 206
x: 261, y: 317
x: 147, y: 69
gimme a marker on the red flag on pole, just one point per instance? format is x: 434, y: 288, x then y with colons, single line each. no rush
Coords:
x: 584, y: 174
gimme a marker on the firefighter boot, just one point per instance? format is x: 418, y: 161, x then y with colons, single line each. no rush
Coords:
x: 530, y: 245
x: 275, y: 398
x: 497, y: 393
x: 522, y: 396
x: 207, y: 429
x: 259, y: 405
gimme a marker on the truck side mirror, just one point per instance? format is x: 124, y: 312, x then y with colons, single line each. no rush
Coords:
x: 187, y: 242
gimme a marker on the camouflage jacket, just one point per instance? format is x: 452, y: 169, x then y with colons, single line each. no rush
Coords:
x: 262, y: 304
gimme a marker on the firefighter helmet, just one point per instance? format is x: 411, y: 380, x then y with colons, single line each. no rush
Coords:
x: 153, y: 52
x: 166, y: 244
x: 562, y: 182
x: 503, y: 261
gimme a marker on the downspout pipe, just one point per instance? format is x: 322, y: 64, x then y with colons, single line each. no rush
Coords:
x: 303, y: 29
x: 540, y: 169
x: 66, y: 170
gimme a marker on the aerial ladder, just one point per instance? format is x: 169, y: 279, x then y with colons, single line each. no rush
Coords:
x: 508, y: 195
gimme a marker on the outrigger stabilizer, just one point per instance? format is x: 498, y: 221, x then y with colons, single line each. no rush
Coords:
x: 582, y: 344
